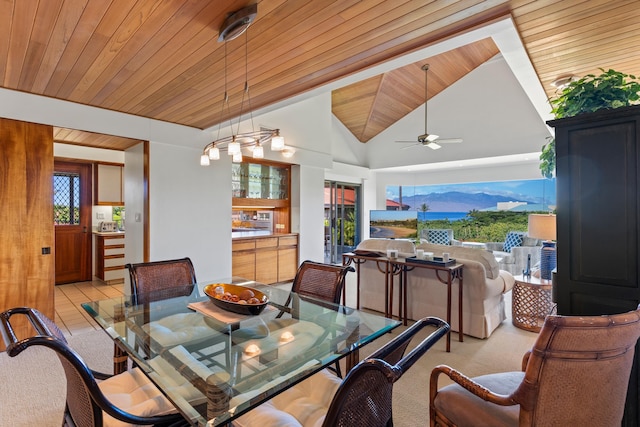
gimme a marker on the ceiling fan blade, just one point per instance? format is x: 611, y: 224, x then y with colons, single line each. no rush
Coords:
x: 434, y: 146
x: 410, y: 146
x: 405, y: 142
x: 450, y: 140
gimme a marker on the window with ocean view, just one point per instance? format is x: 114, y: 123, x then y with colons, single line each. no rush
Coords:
x: 455, y: 201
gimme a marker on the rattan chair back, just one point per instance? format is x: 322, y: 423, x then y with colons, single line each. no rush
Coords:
x: 157, y: 280
x: 364, y: 399
x: 320, y: 281
x: 589, y: 359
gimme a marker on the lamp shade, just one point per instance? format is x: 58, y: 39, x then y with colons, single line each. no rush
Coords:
x: 542, y: 226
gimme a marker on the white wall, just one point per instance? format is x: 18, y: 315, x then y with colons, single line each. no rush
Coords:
x: 311, y: 207
x: 190, y: 209
x: 134, y: 205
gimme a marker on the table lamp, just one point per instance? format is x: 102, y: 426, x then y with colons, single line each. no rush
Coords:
x: 544, y: 227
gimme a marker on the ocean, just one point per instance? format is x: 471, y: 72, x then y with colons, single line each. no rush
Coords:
x: 451, y: 216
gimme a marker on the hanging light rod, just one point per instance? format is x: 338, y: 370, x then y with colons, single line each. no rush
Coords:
x: 237, y: 23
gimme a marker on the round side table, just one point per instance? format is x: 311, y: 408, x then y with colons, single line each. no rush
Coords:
x: 531, y: 302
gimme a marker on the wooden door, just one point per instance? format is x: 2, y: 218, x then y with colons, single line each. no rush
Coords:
x: 26, y: 262
x: 72, y: 219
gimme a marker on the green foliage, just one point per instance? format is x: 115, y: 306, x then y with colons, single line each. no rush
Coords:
x: 349, y: 232
x: 548, y: 158
x: 486, y: 226
x: 611, y: 89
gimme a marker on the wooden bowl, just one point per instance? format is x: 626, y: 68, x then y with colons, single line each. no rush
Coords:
x: 235, y: 307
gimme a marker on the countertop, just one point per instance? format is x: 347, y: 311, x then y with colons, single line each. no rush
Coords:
x: 107, y: 233
x: 239, y: 235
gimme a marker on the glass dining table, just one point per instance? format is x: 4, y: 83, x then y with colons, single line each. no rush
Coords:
x: 213, y: 364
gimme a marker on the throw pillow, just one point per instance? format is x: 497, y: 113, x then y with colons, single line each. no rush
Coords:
x: 439, y: 237
x: 514, y: 238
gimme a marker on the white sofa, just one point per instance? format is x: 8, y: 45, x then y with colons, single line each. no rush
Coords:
x: 484, y: 284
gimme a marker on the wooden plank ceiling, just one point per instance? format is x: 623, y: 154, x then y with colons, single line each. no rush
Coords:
x: 161, y: 59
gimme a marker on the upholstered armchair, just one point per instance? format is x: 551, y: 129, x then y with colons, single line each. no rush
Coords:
x: 576, y: 374
x: 512, y: 254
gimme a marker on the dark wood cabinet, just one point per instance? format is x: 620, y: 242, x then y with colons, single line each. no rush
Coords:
x: 598, y: 222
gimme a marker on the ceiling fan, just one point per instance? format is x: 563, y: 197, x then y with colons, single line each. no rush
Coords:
x: 427, y: 139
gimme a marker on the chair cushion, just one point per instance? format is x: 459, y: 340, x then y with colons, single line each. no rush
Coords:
x: 133, y: 392
x: 514, y: 238
x: 305, y: 404
x: 465, y: 409
x: 180, y: 328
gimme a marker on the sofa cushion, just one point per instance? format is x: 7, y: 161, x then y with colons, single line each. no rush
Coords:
x: 514, y: 238
x: 404, y: 247
x: 486, y: 258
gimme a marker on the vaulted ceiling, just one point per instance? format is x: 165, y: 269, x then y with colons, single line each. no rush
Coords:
x: 161, y: 59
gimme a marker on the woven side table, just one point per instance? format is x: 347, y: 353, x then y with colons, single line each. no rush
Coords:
x: 531, y: 302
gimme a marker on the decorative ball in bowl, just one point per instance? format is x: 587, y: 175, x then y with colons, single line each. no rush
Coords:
x: 238, y: 299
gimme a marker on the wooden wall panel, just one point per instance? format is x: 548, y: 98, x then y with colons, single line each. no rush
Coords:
x: 26, y: 205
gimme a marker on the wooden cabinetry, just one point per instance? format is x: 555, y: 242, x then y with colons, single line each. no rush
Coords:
x: 108, y: 184
x: 26, y: 203
x: 264, y: 185
x: 266, y: 259
x: 598, y: 175
x: 110, y: 257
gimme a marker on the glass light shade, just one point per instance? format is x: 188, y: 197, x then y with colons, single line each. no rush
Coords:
x: 214, y: 153
x: 204, y: 160
x: 233, y: 148
x: 258, y: 151
x: 277, y: 142
x: 237, y: 157
x: 288, y: 152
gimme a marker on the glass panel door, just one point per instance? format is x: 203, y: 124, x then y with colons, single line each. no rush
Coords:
x: 341, y: 220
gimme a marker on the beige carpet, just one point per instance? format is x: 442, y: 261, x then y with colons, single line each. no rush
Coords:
x: 33, y: 384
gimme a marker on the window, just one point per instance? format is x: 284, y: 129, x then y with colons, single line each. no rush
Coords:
x: 66, y: 198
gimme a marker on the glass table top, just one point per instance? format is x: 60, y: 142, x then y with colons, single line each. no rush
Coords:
x: 215, y: 364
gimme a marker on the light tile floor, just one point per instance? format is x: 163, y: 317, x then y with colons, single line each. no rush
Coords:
x: 70, y: 316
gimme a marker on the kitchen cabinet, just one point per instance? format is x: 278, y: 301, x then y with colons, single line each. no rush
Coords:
x: 266, y: 259
x: 598, y: 179
x: 110, y: 257
x: 108, y: 184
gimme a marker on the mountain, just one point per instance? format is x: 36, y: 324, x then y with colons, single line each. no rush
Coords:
x: 456, y: 201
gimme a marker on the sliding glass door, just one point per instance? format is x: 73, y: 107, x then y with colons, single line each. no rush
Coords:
x: 341, y: 220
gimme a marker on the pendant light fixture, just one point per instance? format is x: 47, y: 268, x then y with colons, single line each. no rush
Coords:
x: 236, y: 24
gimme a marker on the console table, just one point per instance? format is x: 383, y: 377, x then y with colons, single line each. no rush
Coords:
x: 446, y: 274
x: 383, y: 266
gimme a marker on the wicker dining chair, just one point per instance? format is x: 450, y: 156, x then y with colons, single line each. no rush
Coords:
x: 89, y: 403
x: 159, y: 280
x: 362, y: 399
x: 322, y: 282
x: 576, y: 374
x: 152, y: 281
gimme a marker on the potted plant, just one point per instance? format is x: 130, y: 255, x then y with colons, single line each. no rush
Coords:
x: 610, y: 89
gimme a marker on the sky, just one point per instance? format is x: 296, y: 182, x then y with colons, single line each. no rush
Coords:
x: 515, y: 190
